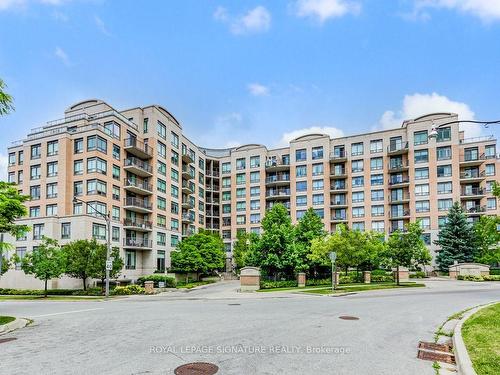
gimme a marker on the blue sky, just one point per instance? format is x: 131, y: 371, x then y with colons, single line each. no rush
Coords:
x: 253, y: 71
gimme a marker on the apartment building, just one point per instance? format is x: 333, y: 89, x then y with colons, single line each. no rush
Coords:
x: 159, y: 187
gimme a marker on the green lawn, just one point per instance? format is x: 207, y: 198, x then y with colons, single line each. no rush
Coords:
x: 363, y: 287
x: 6, y: 319
x: 481, y: 334
x: 49, y: 298
x: 193, y: 284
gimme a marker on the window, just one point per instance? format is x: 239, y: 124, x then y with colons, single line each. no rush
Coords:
x: 77, y: 208
x: 161, y: 185
x: 421, y: 156
x: 96, y: 209
x: 174, y: 240
x: 318, y: 185
x: 38, y: 230
x: 376, y: 179
x: 254, y: 218
x: 420, y: 138
x: 300, y: 214
x: 422, y: 206
x: 426, y: 237
x: 35, y: 192
x: 357, y: 166
x: 240, y: 163
x: 12, y: 159
x: 240, y: 219
x: 491, y: 203
x: 20, y: 158
x: 162, y: 168
x: 444, y: 204
x: 317, y: 169
x: 162, y: 150
x: 174, y: 158
x: 161, y: 203
x: 301, y: 171
x: 51, y: 210
x: 115, y: 213
x: 240, y: 179
x: 130, y: 259
x: 20, y: 177
x: 226, y: 168
x: 226, y: 182
x: 255, y: 205
x: 52, y: 190
x: 161, y: 239
x: 422, y: 190
x: 320, y: 212
x: 99, y: 231
x: 254, y: 191
x: 358, y: 212
x: 226, y: 195
x: 78, y: 146
x: 358, y: 197
x: 376, y: 146
x: 116, y: 152
x: 174, y: 191
x: 444, y: 134
x: 318, y: 199
x: 160, y: 258
x: 115, y: 234
x: 376, y: 164
x: 443, y: 153
x: 96, y: 187
x: 358, y: 181
x: 12, y: 177
x: 444, y: 170
x: 36, y: 151
x: 78, y: 167
x: 301, y: 155
x: 94, y: 142
x: 444, y: 187
x: 35, y: 211
x: 359, y: 225
x: 254, y: 161
x: 161, y: 129
x: 116, y: 193
x: 377, y: 195
x: 226, y: 208
x: 378, y: 210
x: 301, y: 186
x: 174, y: 225
x: 174, y: 140
x: 254, y: 177
x: 20, y: 253
x: 490, y: 169
x: 77, y: 188
x: 35, y: 172
x: 116, y: 172
x: 52, y: 148
x: 489, y: 151
x: 425, y: 222
x: 97, y: 165
x: 161, y: 220
x: 240, y: 193
x: 357, y: 149
x: 378, y: 226
x: 421, y: 173
x: 317, y: 153
x: 240, y: 206
x: 442, y: 220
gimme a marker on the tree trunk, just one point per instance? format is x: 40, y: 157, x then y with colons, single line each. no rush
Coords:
x: 45, y: 289
x: 346, y: 270
x: 397, y: 274
x: 84, y: 278
x: 102, y: 286
x: 187, y: 277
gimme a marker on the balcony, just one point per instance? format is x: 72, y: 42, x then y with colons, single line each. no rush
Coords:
x: 187, y: 157
x: 402, y: 214
x: 398, y: 167
x: 339, y: 218
x: 187, y: 232
x: 187, y: 203
x: 338, y: 157
x: 339, y: 203
x: 398, y: 148
x: 137, y: 205
x: 277, y: 165
x: 138, y: 167
x: 472, y: 176
x: 212, y: 213
x: 187, y: 218
x: 399, y: 199
x: 186, y: 173
x: 138, y: 148
x: 472, y: 193
x: 137, y: 243
x: 278, y: 194
x: 334, y: 174
x: 468, y: 160
x: 278, y: 180
x: 187, y: 188
x: 211, y: 201
x: 339, y: 188
x: 474, y: 210
x: 137, y: 186
x: 138, y: 225
x: 212, y: 187
x: 271, y: 204
x: 399, y: 182
x: 394, y: 229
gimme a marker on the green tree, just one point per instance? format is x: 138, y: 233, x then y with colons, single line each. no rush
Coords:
x: 334, y: 242
x: 202, y: 253
x: 242, y: 247
x: 80, y: 256
x: 5, y: 100
x: 495, y: 189
x: 487, y: 240
x: 309, y: 227
x: 45, y: 262
x: 11, y: 208
x: 405, y: 248
x: 99, y: 258
x: 456, y: 239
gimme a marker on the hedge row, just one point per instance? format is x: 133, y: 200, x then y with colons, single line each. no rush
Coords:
x: 479, y: 278
x: 156, y: 278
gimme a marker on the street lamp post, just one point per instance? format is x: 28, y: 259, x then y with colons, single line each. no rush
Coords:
x: 106, y: 217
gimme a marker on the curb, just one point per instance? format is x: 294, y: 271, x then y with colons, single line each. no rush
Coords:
x: 16, y: 324
x: 462, y: 359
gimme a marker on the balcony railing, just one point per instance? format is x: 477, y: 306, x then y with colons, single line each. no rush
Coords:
x: 334, y: 156
x: 277, y: 163
x: 278, y: 178
x: 339, y: 217
x: 399, y: 198
x: 472, y: 157
x: 338, y: 187
x: 472, y: 174
x: 140, y: 184
x: 397, y: 147
x: 474, y: 209
x: 277, y: 193
x: 137, y: 202
x: 187, y: 217
x: 398, y: 214
x: 134, y: 143
x: 137, y: 223
x: 472, y: 192
x: 138, y: 163
x: 137, y: 242
x: 397, y: 166
x: 399, y: 181
x: 270, y: 205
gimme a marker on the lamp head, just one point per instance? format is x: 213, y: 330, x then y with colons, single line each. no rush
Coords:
x: 433, y: 133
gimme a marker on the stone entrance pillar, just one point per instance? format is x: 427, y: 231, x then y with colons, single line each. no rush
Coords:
x: 367, y: 277
x: 249, y: 279
x: 149, y: 287
x: 404, y: 275
x: 301, y: 279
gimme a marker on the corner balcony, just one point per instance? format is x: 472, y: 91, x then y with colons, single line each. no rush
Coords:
x: 405, y: 198
x: 187, y: 232
x: 138, y: 225
x: 278, y: 194
x: 338, y: 188
x: 472, y: 193
x: 472, y: 160
x: 398, y: 167
x: 137, y: 243
x: 277, y: 165
x: 137, y: 167
x: 187, y: 188
x: 399, y: 148
x: 341, y: 203
x: 187, y: 203
x: 472, y: 176
x: 137, y: 186
x: 186, y: 173
x: 187, y: 157
x: 338, y: 157
x: 186, y: 218
x: 278, y: 180
x: 138, y: 148
x: 137, y: 205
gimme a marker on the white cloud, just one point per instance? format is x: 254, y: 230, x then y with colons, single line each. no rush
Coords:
x: 329, y: 130
x: 322, y: 10
x: 421, y: 104
x: 101, y: 26
x: 61, y: 55
x: 3, y: 167
x: 487, y: 10
x: 256, y: 20
x: 256, y: 89
x: 16, y: 4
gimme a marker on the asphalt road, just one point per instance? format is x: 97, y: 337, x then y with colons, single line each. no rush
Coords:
x: 258, y: 333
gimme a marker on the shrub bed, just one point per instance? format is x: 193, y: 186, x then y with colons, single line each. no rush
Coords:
x: 156, y: 278
x: 278, y: 284
x: 479, y: 278
x: 127, y: 290
x: 418, y: 275
x: 38, y: 292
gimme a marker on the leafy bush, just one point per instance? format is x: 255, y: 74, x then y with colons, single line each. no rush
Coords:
x: 278, y: 284
x: 315, y: 282
x: 418, y: 275
x: 88, y: 292
x: 128, y: 289
x: 491, y: 277
x: 382, y: 278
x: 380, y: 273
x: 470, y: 278
x: 157, y: 278
x: 38, y: 292
x: 495, y: 271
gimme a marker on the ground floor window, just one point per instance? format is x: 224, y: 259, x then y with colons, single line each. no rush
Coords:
x: 160, y: 261
x: 130, y: 260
